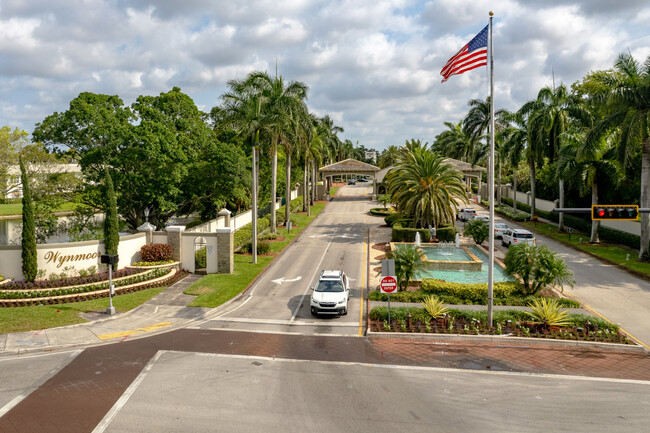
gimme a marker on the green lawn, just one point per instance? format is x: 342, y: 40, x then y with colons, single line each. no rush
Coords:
x: 21, y: 319
x: 17, y: 209
x: 614, y: 253
x: 215, y: 289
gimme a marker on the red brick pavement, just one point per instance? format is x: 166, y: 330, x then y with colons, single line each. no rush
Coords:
x: 79, y: 395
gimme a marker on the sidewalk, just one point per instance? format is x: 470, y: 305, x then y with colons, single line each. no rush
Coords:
x: 164, y: 311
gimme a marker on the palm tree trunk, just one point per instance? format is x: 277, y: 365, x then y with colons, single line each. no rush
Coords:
x: 313, y: 182
x: 595, y: 224
x: 560, y: 226
x: 274, y: 183
x: 305, y: 189
x: 514, y: 184
x: 644, y: 253
x: 287, y: 177
x: 532, y: 189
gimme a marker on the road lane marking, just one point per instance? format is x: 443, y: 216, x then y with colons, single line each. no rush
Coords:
x: 108, y: 418
x: 134, y: 331
x: 302, y: 299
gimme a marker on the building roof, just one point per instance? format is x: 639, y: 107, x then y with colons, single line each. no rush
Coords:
x: 349, y: 166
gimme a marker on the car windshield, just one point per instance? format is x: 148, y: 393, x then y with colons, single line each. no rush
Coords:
x: 329, y: 286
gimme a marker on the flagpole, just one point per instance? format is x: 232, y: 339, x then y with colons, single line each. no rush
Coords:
x: 491, y: 183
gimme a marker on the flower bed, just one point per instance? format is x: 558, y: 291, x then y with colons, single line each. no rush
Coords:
x: 141, y: 281
x: 506, y: 323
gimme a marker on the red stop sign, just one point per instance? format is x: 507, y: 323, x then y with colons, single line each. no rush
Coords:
x: 388, y: 284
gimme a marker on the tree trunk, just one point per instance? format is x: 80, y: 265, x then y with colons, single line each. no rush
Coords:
x: 595, y: 225
x: 532, y: 189
x: 514, y: 185
x: 314, y: 184
x: 305, y: 188
x: 274, y: 182
x: 561, y: 218
x: 287, y: 205
x: 644, y: 253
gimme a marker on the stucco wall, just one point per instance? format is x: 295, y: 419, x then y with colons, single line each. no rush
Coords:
x: 55, y: 258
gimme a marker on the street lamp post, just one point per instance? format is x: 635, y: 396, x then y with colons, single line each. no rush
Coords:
x: 254, y: 219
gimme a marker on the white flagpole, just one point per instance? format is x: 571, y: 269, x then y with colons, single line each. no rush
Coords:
x: 491, y: 183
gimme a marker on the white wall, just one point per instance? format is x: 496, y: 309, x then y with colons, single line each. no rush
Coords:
x: 55, y: 258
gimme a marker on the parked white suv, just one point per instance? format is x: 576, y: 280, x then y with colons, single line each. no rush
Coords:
x: 466, y: 214
x: 517, y: 236
x: 331, y: 294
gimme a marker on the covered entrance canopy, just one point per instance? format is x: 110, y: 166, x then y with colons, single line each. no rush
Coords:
x: 349, y: 166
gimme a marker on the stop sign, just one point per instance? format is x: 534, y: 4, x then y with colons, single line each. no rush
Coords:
x: 388, y: 284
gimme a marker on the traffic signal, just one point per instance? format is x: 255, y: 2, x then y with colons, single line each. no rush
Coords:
x: 626, y: 212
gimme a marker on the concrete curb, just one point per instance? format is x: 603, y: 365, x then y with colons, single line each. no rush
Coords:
x: 530, y: 342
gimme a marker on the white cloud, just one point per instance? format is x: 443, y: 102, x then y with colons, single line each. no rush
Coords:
x: 372, y: 65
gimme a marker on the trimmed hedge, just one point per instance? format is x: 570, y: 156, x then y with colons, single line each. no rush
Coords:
x: 446, y: 234
x: 401, y: 234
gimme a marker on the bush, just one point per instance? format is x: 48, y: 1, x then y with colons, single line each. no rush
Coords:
x: 263, y: 247
x: 401, y: 234
x: 200, y: 258
x: 446, y: 234
x: 156, y: 252
x: 478, y: 230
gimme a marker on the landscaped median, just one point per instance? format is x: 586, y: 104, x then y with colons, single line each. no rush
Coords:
x: 441, y: 312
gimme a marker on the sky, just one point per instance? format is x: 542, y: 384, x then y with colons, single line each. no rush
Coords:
x: 372, y: 65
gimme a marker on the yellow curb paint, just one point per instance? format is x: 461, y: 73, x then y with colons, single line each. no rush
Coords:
x: 587, y: 307
x: 134, y: 331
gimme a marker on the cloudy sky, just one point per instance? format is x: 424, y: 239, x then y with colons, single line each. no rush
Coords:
x: 372, y: 65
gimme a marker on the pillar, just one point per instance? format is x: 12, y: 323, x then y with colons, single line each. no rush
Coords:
x: 174, y: 238
x: 225, y: 250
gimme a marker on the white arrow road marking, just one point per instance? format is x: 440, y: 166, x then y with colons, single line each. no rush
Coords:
x: 283, y: 280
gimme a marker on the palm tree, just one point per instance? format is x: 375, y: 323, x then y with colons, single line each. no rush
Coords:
x: 456, y: 142
x: 549, y: 116
x: 424, y: 186
x: 629, y: 102
x: 389, y: 157
x: 515, y: 137
x: 262, y: 104
x: 586, y: 162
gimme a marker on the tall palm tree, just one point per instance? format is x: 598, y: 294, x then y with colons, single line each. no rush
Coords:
x: 270, y: 102
x: 515, y: 137
x: 629, y: 102
x: 549, y: 116
x: 586, y: 162
x: 424, y: 186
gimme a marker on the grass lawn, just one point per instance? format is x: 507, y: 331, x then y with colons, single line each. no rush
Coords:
x: 51, y: 316
x: 215, y: 289
x: 614, y: 253
x: 17, y: 209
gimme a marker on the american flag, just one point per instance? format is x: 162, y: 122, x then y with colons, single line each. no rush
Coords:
x: 471, y: 56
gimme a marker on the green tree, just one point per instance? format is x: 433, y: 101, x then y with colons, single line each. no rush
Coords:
x: 477, y: 229
x: 111, y: 225
x: 538, y: 267
x: 424, y: 186
x: 408, y: 262
x: 28, y: 244
x: 628, y: 100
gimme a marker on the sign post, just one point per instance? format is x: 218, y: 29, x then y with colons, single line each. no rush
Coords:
x: 388, y: 285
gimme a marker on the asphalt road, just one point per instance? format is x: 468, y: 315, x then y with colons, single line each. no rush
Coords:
x: 279, y: 299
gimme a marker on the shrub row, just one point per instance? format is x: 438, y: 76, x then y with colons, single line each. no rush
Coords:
x: 22, y: 294
x: 71, y: 281
x: 156, y: 252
